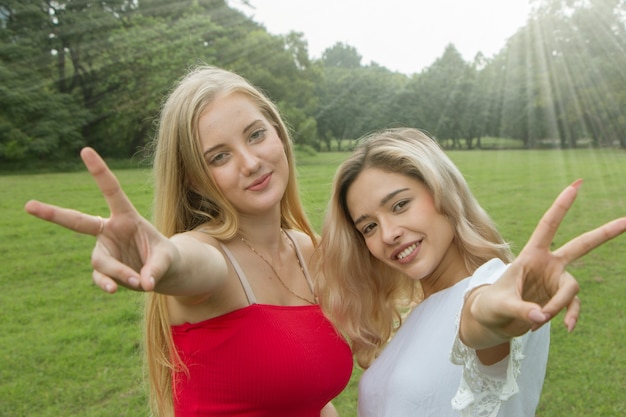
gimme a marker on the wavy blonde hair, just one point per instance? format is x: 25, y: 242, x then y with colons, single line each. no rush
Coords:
x: 186, y: 197
x: 364, y: 297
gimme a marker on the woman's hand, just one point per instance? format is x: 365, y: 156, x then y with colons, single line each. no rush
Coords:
x: 129, y: 251
x: 536, y: 286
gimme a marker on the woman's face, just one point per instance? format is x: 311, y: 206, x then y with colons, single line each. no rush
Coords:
x: 244, y: 153
x: 401, y: 226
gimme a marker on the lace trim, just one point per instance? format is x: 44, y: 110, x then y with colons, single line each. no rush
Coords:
x: 480, y: 394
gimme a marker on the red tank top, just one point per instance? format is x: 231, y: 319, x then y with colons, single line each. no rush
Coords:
x: 260, y: 360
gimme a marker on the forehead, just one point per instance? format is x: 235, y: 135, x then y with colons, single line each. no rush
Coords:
x: 372, y: 185
x: 227, y: 114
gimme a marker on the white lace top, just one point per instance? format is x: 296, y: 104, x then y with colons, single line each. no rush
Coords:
x: 425, y: 370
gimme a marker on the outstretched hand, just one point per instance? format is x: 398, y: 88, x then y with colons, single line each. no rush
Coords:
x: 536, y: 286
x: 129, y: 251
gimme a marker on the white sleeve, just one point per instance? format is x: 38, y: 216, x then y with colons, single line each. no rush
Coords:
x: 483, y: 388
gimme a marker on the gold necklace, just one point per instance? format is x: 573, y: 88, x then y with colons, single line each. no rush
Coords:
x: 274, y: 269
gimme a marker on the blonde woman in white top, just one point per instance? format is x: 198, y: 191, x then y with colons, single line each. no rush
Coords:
x: 403, y: 231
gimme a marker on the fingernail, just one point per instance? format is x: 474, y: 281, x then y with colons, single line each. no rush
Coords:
x: 133, y: 282
x: 571, y: 325
x: 536, y: 316
x: 108, y: 288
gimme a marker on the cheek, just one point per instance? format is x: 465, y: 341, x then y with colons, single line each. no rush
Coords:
x: 447, y: 229
x: 281, y: 166
x: 374, y: 248
x: 282, y: 162
x: 223, y: 179
x: 280, y: 157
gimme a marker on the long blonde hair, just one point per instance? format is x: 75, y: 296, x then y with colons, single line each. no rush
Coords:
x: 180, y: 206
x: 364, y: 297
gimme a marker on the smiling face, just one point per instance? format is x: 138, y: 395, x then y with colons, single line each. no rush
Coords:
x: 401, y: 226
x: 244, y: 153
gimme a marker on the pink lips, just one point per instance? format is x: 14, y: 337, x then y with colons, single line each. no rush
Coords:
x: 409, y: 256
x: 261, y: 183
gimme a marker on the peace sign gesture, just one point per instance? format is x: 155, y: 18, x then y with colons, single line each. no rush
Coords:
x: 129, y: 251
x: 536, y: 286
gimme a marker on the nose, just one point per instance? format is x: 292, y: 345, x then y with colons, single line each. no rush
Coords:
x: 390, y: 231
x: 250, y: 163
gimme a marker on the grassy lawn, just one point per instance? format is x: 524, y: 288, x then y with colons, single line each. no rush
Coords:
x: 69, y: 349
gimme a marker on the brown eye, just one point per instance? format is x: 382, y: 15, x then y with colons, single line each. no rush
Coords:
x: 368, y: 229
x: 399, y: 205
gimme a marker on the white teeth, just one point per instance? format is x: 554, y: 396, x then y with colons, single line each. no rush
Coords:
x: 407, y: 251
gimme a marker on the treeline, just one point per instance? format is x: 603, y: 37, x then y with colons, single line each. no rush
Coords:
x: 85, y: 72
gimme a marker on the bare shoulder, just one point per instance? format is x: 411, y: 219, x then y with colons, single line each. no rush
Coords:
x: 304, y: 242
x: 202, y: 236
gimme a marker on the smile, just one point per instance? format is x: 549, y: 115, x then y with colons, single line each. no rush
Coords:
x: 406, y: 252
x: 260, y: 183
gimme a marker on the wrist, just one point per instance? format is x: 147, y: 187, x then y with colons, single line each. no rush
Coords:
x: 478, y: 328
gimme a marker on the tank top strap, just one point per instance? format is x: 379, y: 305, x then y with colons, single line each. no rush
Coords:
x: 242, y: 277
x: 305, y: 270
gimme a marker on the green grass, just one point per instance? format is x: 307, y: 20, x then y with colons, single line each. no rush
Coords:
x: 68, y: 349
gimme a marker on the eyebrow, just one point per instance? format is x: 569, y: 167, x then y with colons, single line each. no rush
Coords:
x: 219, y: 145
x: 383, y: 201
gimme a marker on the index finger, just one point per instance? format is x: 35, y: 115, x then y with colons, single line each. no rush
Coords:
x: 585, y: 243
x: 110, y: 187
x: 68, y: 218
x: 548, y: 225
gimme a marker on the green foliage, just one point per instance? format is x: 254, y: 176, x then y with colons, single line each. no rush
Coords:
x: 354, y: 102
x: 77, y: 73
x: 341, y: 55
x: 37, y: 120
x: 561, y: 75
x: 444, y: 90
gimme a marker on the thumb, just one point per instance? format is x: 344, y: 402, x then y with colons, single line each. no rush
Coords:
x: 153, y: 271
x: 158, y: 261
x: 514, y: 315
x: 147, y: 280
x: 536, y: 315
x: 524, y: 316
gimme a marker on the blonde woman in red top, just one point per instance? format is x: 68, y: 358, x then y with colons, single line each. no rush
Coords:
x: 232, y: 322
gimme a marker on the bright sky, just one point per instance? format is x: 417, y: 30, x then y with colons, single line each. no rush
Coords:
x: 401, y: 35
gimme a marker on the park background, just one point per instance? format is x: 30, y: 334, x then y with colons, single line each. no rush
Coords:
x: 548, y: 108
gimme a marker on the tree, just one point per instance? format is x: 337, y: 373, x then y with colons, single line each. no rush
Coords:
x: 445, y: 88
x: 480, y: 103
x: 37, y: 120
x: 341, y: 55
x: 565, y: 77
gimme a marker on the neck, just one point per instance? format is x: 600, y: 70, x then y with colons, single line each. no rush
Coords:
x: 450, y: 270
x: 260, y: 231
